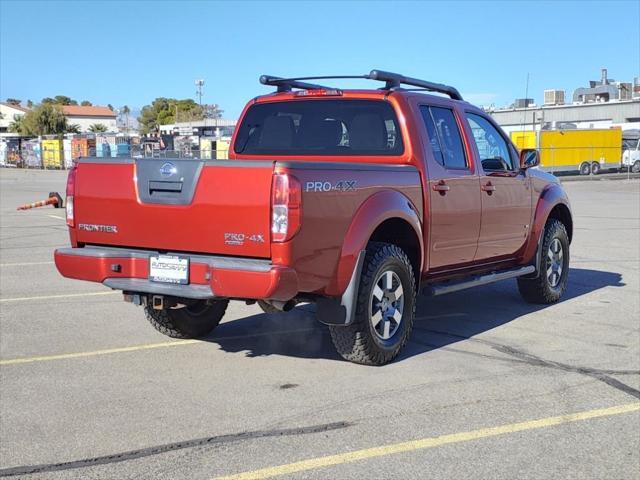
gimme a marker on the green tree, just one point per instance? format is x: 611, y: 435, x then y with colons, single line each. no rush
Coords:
x: 29, y: 104
x: 16, y: 126
x: 60, y: 100
x: 45, y: 119
x: 13, y: 101
x: 212, y: 111
x: 163, y: 111
x: 73, y: 128
x: 110, y: 107
x: 86, y: 103
x: 97, y: 128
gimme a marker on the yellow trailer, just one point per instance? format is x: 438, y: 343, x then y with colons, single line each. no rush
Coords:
x: 586, y: 151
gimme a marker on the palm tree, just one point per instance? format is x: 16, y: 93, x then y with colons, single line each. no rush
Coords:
x: 97, y: 128
x: 73, y: 128
x: 17, y: 126
x: 125, y: 111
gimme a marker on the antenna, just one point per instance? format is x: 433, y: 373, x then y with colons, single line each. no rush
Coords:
x: 199, y: 84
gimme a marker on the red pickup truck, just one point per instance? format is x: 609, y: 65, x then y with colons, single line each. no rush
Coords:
x: 356, y: 200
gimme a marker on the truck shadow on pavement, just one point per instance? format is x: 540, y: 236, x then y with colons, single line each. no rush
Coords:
x: 440, y: 321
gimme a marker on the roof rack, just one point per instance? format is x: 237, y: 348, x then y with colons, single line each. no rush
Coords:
x: 393, y: 81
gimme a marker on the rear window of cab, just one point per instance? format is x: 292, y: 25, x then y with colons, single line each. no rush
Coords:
x: 320, y: 127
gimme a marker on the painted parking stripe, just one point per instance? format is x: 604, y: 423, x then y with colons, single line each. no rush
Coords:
x: 431, y: 442
x: 148, y: 346
x: 51, y: 297
x: 25, y: 264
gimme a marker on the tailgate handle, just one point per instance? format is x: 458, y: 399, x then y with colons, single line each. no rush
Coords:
x: 164, y: 187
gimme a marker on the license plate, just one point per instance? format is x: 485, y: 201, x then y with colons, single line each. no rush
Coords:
x: 169, y: 269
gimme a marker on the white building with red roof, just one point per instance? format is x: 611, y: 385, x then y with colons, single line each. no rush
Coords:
x: 84, y: 117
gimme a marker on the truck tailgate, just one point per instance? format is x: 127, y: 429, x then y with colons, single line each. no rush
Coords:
x: 215, y: 206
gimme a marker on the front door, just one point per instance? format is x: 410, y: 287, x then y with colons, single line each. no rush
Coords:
x: 453, y: 189
x: 505, y: 192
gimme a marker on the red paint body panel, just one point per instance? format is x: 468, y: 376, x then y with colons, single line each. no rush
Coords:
x: 226, y: 200
x: 460, y: 231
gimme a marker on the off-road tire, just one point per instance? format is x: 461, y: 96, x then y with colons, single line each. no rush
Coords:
x: 358, y: 342
x: 539, y: 290
x: 187, y: 322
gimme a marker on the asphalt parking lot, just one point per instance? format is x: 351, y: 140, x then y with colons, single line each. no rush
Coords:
x: 489, y: 387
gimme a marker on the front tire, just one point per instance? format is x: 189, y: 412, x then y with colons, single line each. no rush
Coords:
x: 385, y: 308
x: 194, y: 321
x: 553, y: 273
x: 636, y: 167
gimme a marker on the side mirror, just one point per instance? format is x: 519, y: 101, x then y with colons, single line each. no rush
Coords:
x: 529, y: 157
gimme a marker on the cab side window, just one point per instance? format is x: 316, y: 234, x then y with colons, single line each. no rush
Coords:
x: 493, y: 148
x: 444, y: 137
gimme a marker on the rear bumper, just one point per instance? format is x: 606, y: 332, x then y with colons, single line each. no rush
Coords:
x: 210, y: 276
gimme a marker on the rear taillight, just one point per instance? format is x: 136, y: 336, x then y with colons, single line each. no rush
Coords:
x: 286, y: 203
x: 71, y: 188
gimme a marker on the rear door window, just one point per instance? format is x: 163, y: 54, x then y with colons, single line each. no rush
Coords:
x: 320, y: 127
x: 444, y: 137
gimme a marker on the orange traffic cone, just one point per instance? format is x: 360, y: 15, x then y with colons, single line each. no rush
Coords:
x: 54, y: 199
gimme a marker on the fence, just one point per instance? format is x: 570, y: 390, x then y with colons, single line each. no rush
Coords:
x: 60, y: 155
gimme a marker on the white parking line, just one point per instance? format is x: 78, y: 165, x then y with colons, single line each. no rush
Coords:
x: 24, y: 264
x: 148, y: 346
x: 49, y: 297
x: 56, y: 216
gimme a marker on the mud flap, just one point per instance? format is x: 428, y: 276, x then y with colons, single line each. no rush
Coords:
x: 537, y: 259
x: 342, y: 311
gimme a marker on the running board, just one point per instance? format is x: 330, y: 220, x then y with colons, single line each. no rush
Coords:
x: 448, y: 287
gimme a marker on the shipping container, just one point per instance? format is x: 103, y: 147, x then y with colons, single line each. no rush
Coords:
x: 83, y: 147
x: 32, y: 154
x: 52, y: 153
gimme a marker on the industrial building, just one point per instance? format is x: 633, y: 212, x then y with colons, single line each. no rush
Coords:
x: 605, y: 103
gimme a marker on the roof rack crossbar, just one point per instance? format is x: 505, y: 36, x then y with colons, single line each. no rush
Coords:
x: 394, y: 80
x: 286, y: 84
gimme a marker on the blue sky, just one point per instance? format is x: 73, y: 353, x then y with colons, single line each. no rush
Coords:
x: 131, y: 52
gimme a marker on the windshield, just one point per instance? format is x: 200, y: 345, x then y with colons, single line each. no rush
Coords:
x: 320, y: 127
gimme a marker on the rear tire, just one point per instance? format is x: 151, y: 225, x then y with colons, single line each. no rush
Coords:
x: 595, y: 168
x: 585, y: 168
x: 385, y: 308
x: 551, y: 281
x: 193, y: 321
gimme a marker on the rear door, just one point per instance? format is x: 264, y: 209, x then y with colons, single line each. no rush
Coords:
x: 454, y: 190
x: 217, y: 207
x: 505, y: 191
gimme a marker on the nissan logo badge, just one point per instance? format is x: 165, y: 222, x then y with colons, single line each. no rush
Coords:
x: 168, y: 169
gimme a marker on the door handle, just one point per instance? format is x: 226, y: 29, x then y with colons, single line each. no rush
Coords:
x: 489, y: 188
x: 441, y: 187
